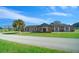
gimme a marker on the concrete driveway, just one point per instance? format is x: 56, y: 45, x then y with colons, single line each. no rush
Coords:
x: 66, y: 44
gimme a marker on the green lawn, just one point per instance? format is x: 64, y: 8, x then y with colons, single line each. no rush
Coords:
x: 53, y: 34
x: 12, y: 47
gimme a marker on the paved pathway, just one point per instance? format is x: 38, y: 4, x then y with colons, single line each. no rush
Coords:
x: 67, y: 44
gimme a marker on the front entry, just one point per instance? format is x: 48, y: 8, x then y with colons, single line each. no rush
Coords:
x: 44, y: 29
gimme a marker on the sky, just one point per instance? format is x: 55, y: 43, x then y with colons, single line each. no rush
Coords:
x: 34, y: 15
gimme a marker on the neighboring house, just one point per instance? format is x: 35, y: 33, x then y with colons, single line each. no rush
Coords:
x: 53, y: 27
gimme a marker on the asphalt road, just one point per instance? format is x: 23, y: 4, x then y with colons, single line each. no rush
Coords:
x: 66, y: 44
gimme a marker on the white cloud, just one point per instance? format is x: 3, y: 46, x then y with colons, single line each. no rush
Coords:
x: 59, y: 14
x: 64, y: 7
x: 6, y: 13
x: 74, y: 7
x: 53, y: 8
x: 69, y: 7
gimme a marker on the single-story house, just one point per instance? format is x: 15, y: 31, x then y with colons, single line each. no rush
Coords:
x: 53, y: 27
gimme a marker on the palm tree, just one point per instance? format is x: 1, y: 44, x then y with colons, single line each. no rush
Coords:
x: 18, y: 25
x: 14, y: 25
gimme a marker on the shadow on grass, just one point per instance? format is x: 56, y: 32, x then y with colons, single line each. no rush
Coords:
x: 9, y: 33
x: 40, y: 32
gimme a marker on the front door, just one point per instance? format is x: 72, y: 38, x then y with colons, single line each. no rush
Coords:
x: 44, y: 29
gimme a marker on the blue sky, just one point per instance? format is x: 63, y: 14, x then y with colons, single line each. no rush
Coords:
x: 33, y: 15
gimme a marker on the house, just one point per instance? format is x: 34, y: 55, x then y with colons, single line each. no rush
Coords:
x: 53, y: 27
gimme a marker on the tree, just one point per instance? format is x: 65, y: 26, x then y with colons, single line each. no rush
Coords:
x: 0, y: 27
x: 76, y: 24
x: 56, y: 22
x: 18, y: 25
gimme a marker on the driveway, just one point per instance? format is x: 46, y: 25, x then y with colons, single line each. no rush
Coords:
x: 66, y: 44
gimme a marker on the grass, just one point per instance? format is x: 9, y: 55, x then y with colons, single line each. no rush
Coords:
x: 53, y: 34
x: 12, y: 47
x: 10, y: 32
